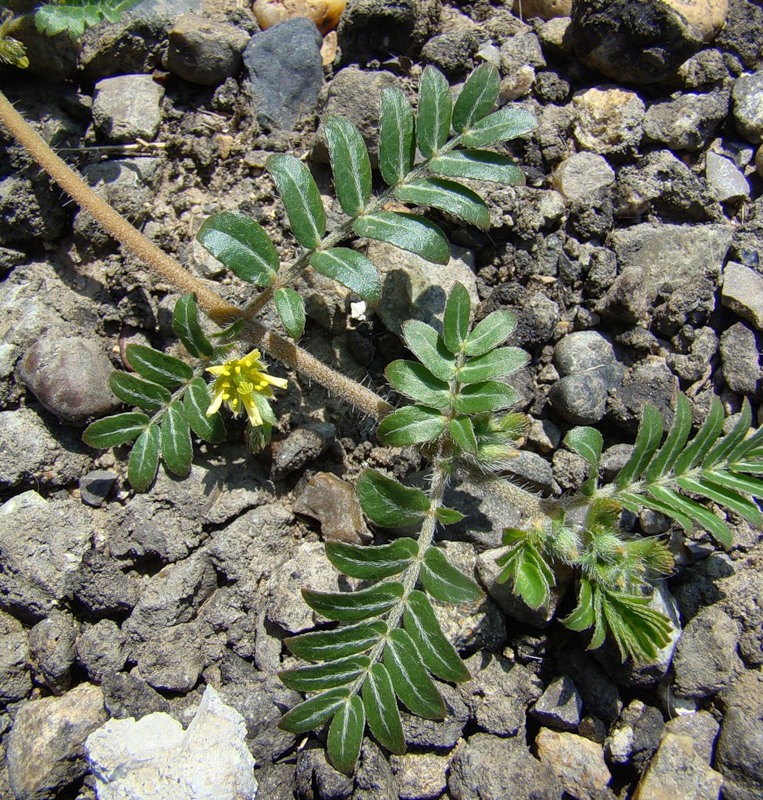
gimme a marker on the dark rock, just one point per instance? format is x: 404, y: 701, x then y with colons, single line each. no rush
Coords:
x: 687, y: 123
x: 334, y: 503
x: 638, y: 42
x: 739, y: 754
x: 636, y: 735
x: 127, y: 108
x: 743, y: 33
x: 663, y: 183
x: 100, y: 586
x: 740, y: 357
x: 101, y: 649
x: 94, y: 487
x: 599, y: 692
x: 70, y: 377
x: 531, y: 470
x: 300, y: 447
x: 704, y: 70
x: 438, y: 734
x: 592, y: 218
x: 51, y: 645
x: 204, y: 51
x: 276, y: 781
x: 46, y: 745
x: 370, y: 28
x: 173, y: 658
x: 15, y: 680
x: 452, y: 53
x: 748, y: 99
x: 551, y: 87
x: 649, y: 381
x: 486, y: 765
x: 30, y: 209
x: 126, y: 695
x: 286, y: 73
x: 40, y: 546
x: 373, y: 777
x: 315, y: 772
x: 421, y: 776
x: 560, y: 706
x: 583, y: 174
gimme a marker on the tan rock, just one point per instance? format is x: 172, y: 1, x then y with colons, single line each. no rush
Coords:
x: 545, y: 9
x: 608, y: 120
x: 707, y: 16
x: 759, y: 161
x: 324, y: 13
x: 677, y: 772
x: 577, y: 762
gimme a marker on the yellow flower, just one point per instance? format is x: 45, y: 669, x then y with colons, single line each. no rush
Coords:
x: 240, y: 383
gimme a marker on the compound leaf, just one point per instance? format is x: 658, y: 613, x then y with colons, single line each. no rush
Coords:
x: 301, y: 199
x: 351, y: 606
x: 587, y: 443
x: 458, y: 310
x: 115, y: 430
x: 382, y: 713
x: 477, y: 98
x: 706, y: 437
x: 461, y: 430
x: 484, y: 397
x: 387, y: 502
x: 407, y: 231
x: 196, y: 403
x: 177, y: 448
x: 318, y: 677
x: 410, y: 679
x: 492, y: 331
x: 242, y: 246
x: 337, y: 643
x: 425, y: 343
x: 689, y: 508
x: 144, y: 459
x: 313, y: 712
x: 435, y: 110
x: 291, y: 309
x: 478, y: 165
x: 350, y: 164
x: 363, y: 561
x: 346, y: 735
x: 185, y: 321
x: 158, y: 367
x: 448, y: 196
x: 647, y: 441
x: 397, y: 145
x: 507, y: 123
x: 415, y: 381
x: 496, y: 364
x: 446, y: 583
x: 139, y: 392
x: 411, y: 425
x: 351, y: 269
x: 437, y: 653
x: 733, y: 439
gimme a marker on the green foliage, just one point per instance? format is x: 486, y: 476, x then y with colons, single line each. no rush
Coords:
x: 74, y: 17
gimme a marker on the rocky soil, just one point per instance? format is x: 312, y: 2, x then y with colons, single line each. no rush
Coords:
x: 633, y: 258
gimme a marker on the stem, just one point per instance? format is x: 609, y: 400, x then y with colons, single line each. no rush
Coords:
x: 214, y: 306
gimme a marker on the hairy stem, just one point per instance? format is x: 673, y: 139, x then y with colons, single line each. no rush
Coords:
x: 217, y: 308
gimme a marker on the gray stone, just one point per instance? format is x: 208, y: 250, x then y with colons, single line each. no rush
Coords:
x: 748, y: 106
x: 314, y: 771
x: 649, y: 381
x: 486, y: 766
x: 286, y: 73
x: 355, y: 95
x: 417, y: 289
x: 301, y: 446
x: 370, y: 28
x: 759, y: 161
x: 636, y: 735
x: 334, y: 503
x: 530, y: 470
x: 438, y: 734
x: 127, y: 108
x: 577, y: 762
x: 560, y: 706
x: 705, y: 661
x: 702, y: 346
x: 69, y: 375
x: 101, y: 649
x: 640, y: 42
x: 704, y: 70
x: 154, y: 757
x: 420, y: 775
x: 677, y: 772
x: 373, y: 777
x: 681, y: 263
x: 452, y: 52
x: 583, y: 174
x: 599, y: 692
x: 126, y: 695
x: 740, y: 357
x: 51, y: 645
x: 739, y: 754
x: 662, y: 183
x: 726, y: 183
x: 95, y: 487
x: 499, y: 693
x: 701, y: 727
x: 29, y: 210
x: 172, y: 658
x: 687, y: 123
x: 39, y: 549
x: 46, y: 745
x: 15, y: 679
x: 609, y: 121
x: 100, y: 587
x: 742, y: 292
x: 204, y: 51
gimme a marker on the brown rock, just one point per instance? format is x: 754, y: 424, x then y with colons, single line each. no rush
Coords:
x: 707, y: 16
x: 609, y: 121
x: 576, y: 761
x: 324, y: 13
x: 334, y: 504
x: 545, y: 9
x: 759, y: 161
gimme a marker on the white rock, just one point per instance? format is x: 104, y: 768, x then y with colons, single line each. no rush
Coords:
x: 155, y: 758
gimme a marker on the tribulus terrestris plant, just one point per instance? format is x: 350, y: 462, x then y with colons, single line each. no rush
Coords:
x: 382, y: 644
